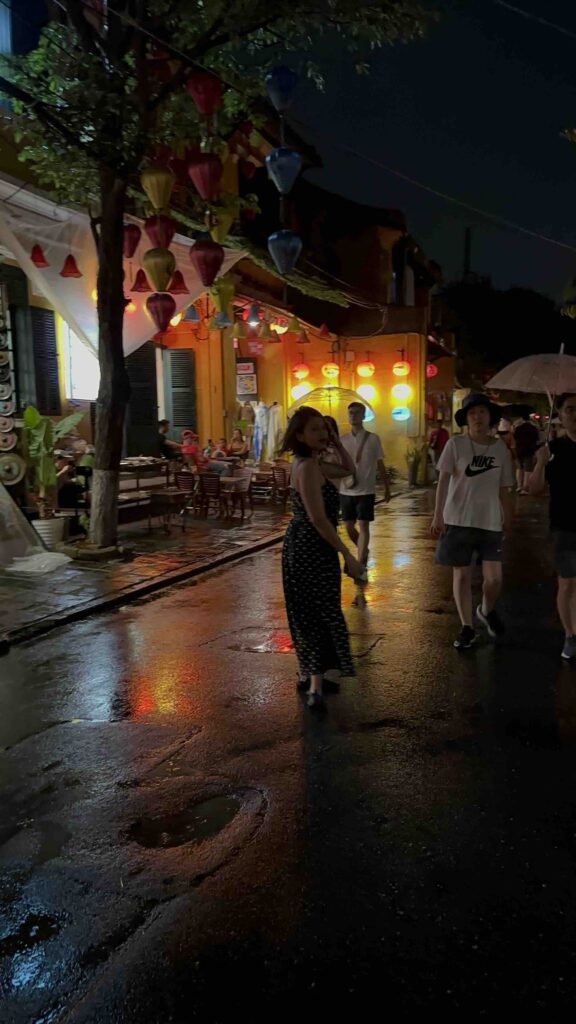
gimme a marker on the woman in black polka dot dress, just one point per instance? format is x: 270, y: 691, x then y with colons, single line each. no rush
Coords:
x: 310, y: 564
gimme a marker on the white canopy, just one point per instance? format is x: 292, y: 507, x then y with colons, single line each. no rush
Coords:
x: 27, y: 219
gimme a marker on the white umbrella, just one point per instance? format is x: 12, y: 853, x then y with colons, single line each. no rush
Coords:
x: 552, y: 374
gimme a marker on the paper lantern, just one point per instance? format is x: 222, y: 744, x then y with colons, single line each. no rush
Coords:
x: 431, y: 370
x: 191, y: 316
x: 205, y: 171
x: 70, y: 268
x: 331, y: 371
x: 302, y: 338
x: 158, y: 183
x: 401, y: 368
x: 400, y: 414
x: 161, y: 308
x: 300, y: 390
x: 401, y: 392
x: 283, y: 166
x: 207, y: 258
x: 175, y: 320
x: 284, y: 247
x: 206, y: 91
x: 141, y: 283
x: 159, y: 265
x: 293, y: 325
x: 253, y: 316
x: 160, y: 230
x: 222, y: 293
x: 248, y: 169
x: 367, y: 392
x: 301, y: 371
x: 365, y: 369
x: 130, y: 239
x: 222, y: 224
x: 265, y: 333
x: 280, y: 85
x: 239, y: 330
x: 38, y: 258
x: 324, y: 332
x: 177, y: 285
x: 130, y: 307
x: 222, y: 320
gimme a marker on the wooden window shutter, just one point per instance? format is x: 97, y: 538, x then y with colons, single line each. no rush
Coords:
x: 46, y: 361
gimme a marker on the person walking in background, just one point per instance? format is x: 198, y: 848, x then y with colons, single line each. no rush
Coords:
x: 439, y: 438
x: 168, y: 449
x: 473, y: 507
x: 310, y: 566
x: 556, y: 465
x: 526, y: 440
x: 358, y: 493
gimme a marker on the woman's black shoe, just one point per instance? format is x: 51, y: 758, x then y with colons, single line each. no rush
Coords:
x: 315, y: 701
x: 328, y: 686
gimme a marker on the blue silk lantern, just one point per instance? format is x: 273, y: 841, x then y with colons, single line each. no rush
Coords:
x: 284, y: 247
x: 222, y: 320
x: 191, y: 316
x: 280, y: 85
x: 283, y: 166
x: 400, y: 413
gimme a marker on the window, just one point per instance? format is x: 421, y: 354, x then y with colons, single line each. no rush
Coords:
x: 45, y: 361
x: 81, y: 369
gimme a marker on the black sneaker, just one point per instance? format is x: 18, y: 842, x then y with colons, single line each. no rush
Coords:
x: 466, y: 638
x: 492, y: 621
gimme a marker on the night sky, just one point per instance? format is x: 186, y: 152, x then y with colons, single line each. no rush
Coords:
x: 474, y: 110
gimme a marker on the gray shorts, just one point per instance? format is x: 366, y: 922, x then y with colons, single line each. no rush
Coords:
x: 565, y: 553
x: 459, y: 544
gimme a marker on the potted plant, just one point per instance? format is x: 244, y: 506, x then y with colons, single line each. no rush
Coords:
x: 41, y: 437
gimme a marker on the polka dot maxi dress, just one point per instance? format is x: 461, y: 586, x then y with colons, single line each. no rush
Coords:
x: 312, y: 590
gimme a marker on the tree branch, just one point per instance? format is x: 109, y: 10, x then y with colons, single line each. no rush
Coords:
x: 44, y: 114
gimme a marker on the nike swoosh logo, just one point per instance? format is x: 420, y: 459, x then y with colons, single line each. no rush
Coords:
x: 478, y: 472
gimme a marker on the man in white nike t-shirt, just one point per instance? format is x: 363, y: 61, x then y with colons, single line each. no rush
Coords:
x: 473, y: 507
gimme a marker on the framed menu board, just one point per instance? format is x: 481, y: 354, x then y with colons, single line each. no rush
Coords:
x: 246, y: 378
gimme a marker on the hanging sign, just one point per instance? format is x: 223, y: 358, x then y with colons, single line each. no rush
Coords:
x: 246, y: 378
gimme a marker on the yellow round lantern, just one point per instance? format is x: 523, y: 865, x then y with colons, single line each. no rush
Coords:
x: 401, y: 368
x: 301, y: 371
x: 159, y: 265
x: 331, y: 371
x: 402, y: 392
x: 299, y: 390
x: 366, y: 369
x: 367, y: 392
x: 158, y: 183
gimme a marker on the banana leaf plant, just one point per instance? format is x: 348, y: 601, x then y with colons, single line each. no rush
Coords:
x: 41, y: 436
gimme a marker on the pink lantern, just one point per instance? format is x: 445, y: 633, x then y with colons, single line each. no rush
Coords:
x: 131, y: 237
x: 160, y: 230
x: 177, y: 285
x: 431, y: 370
x: 207, y: 258
x: 38, y: 258
x: 206, y: 91
x: 141, y: 283
x: 205, y: 172
x: 161, y: 307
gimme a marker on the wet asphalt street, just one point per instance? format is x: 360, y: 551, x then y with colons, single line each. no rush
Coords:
x: 181, y: 840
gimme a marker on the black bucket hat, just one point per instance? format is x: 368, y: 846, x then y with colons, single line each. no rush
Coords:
x: 477, y: 398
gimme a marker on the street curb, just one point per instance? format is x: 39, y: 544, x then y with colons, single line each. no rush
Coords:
x: 134, y: 593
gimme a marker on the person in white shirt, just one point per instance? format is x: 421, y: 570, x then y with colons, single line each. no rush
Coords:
x: 358, y: 494
x: 473, y: 508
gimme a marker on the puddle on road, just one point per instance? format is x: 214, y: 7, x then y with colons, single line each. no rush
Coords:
x: 35, y: 929
x: 193, y: 824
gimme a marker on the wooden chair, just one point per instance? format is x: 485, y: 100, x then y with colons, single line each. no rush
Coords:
x: 188, y: 483
x: 243, y: 492
x: 209, y: 493
x: 281, y: 485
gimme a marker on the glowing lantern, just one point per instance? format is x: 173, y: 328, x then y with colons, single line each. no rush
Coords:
x: 365, y: 369
x: 130, y: 238
x: 401, y: 368
x: 299, y: 390
x: 401, y: 392
x: 367, y: 391
x: 207, y: 258
x: 94, y: 295
x: 130, y: 307
x: 159, y: 265
x: 38, y: 258
x: 206, y: 91
x: 280, y: 85
x: 253, y: 317
x: 160, y: 230
x: 70, y: 268
x: 331, y: 371
x: 140, y: 283
x: 283, y: 166
x: 177, y: 285
x: 161, y: 308
x: 175, y: 320
x: 400, y: 413
x: 205, y: 171
x: 284, y: 247
x: 158, y: 183
x: 301, y: 371
x: 431, y: 370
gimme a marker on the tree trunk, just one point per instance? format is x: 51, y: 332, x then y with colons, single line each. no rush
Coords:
x: 114, y: 390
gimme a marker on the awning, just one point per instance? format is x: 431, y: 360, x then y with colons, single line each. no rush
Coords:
x: 27, y: 219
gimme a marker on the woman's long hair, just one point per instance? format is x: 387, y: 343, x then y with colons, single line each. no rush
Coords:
x: 296, y: 426
x: 333, y: 425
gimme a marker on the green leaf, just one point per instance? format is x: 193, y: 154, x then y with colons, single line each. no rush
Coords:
x: 67, y: 424
x: 31, y: 417
x: 46, y: 471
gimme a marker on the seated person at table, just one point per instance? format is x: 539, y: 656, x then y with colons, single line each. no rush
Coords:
x: 238, y: 444
x: 191, y: 450
x: 209, y: 447
x: 69, y: 490
x: 221, y: 449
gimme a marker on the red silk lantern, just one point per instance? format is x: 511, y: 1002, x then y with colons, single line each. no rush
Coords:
x: 301, y: 371
x: 161, y: 307
x: 38, y: 258
x: 141, y: 283
x: 70, y: 268
x: 401, y: 368
x: 324, y: 332
x: 160, y: 230
x: 206, y: 91
x: 207, y: 258
x: 431, y: 370
x: 205, y: 172
x: 177, y: 285
x: 131, y: 237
